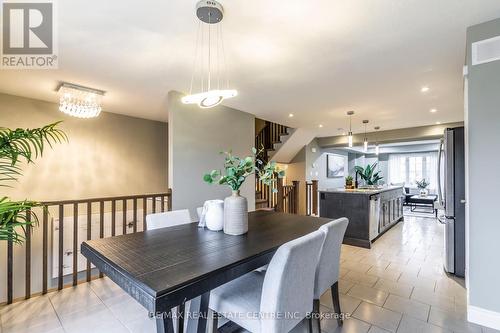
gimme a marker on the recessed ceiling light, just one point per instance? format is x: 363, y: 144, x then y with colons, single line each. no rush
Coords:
x: 424, y: 89
x: 438, y: 123
x: 290, y: 115
x: 320, y: 125
x: 433, y: 110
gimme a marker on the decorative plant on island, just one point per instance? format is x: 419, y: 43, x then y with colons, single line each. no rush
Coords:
x: 422, y: 186
x: 236, y: 172
x: 26, y: 144
x: 348, y: 182
x: 368, y: 174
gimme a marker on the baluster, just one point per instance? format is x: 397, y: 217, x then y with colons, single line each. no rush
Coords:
x: 162, y: 203
x: 113, y: 217
x: 144, y: 212
x: 27, y: 243
x: 61, y: 249
x: 10, y: 270
x: 89, y: 235
x: 154, y: 205
x: 101, y: 225
x: 75, y: 244
x: 124, y: 213
x: 45, y: 242
x: 135, y: 214
x: 315, y: 197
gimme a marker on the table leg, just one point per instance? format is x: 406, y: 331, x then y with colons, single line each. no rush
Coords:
x: 202, y: 320
x: 165, y: 324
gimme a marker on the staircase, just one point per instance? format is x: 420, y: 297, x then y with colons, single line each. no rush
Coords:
x: 271, y: 137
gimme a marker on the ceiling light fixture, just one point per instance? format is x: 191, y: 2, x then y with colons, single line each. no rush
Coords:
x: 424, y: 89
x: 320, y: 125
x: 349, y: 139
x: 365, y: 141
x: 377, y: 148
x: 433, y: 110
x: 290, y: 115
x: 79, y: 101
x: 210, y: 13
x: 438, y: 123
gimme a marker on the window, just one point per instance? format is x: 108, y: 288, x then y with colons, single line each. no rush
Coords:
x: 413, y: 167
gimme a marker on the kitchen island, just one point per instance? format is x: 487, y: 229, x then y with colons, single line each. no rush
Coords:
x: 371, y: 212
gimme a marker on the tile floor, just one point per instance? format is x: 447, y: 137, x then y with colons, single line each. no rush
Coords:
x: 397, y: 286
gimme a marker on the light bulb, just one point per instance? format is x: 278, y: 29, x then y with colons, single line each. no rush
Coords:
x: 366, y: 145
x: 350, y: 139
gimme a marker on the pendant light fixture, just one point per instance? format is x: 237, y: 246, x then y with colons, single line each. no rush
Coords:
x: 365, y: 140
x: 79, y: 101
x: 213, y: 79
x: 349, y: 138
x: 377, y: 149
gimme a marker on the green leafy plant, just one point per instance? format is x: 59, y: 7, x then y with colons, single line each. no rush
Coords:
x: 16, y: 145
x: 348, y: 180
x: 238, y: 169
x: 368, y: 174
x: 422, y: 184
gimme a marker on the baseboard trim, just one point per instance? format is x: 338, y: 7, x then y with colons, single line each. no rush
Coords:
x: 483, y: 317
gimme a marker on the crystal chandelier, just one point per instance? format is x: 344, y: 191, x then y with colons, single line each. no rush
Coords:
x: 78, y: 101
x: 213, y: 79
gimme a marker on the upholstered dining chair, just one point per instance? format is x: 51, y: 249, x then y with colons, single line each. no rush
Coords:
x: 170, y: 219
x: 280, y: 296
x: 327, y: 272
x: 167, y: 219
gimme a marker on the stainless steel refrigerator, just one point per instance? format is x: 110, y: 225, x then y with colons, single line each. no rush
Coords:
x: 451, y: 192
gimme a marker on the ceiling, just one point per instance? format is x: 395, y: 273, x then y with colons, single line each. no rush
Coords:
x: 315, y: 59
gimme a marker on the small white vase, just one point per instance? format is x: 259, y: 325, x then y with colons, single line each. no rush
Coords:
x: 423, y: 192
x: 213, y: 215
x: 235, y: 214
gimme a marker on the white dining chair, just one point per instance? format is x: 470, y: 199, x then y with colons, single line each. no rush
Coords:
x: 327, y: 272
x: 281, y: 296
x: 167, y: 219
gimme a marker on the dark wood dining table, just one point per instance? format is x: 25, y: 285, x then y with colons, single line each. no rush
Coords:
x: 164, y: 268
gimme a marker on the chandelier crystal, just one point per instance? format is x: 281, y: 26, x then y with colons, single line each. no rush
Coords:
x: 212, y: 72
x: 78, y: 101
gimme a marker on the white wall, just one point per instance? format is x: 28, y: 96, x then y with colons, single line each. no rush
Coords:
x: 316, y: 166
x: 196, y: 136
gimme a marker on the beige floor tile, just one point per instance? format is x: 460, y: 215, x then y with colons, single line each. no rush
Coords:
x: 416, y: 281
x: 356, y: 266
x: 361, y: 278
x: 380, y: 317
x: 388, y: 274
x: 396, y: 288
x: 347, y: 303
x: 351, y: 325
x: 96, y: 318
x: 452, y: 321
x: 411, y: 325
x: 407, y: 306
x: 375, y: 329
x: 434, y: 299
x: 368, y: 294
x: 142, y: 325
x: 345, y: 285
x: 73, y: 299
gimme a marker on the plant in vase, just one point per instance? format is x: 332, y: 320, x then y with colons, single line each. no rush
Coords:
x: 236, y: 172
x: 368, y: 174
x: 422, y: 186
x: 348, y: 182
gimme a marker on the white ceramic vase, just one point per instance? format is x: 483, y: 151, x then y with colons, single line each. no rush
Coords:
x: 212, y: 215
x: 235, y: 214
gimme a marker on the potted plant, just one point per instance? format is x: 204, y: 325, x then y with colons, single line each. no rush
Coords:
x: 422, y: 186
x: 15, y: 145
x: 368, y: 174
x: 236, y: 172
x: 348, y: 182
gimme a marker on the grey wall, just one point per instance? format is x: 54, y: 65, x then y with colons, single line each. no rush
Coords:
x: 196, y: 136
x: 482, y: 124
x: 316, y: 165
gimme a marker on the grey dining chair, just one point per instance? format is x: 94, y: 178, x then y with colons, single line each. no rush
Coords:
x: 281, y: 296
x: 167, y: 219
x: 327, y: 272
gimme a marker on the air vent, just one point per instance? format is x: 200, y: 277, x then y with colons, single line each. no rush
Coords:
x: 486, y: 51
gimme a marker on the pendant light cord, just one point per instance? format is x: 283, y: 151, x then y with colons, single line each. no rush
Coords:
x: 209, y: 46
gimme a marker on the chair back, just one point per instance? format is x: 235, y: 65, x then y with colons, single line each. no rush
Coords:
x: 327, y: 272
x: 167, y: 219
x: 289, y: 282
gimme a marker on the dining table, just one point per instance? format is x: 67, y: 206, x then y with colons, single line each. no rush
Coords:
x: 164, y: 268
